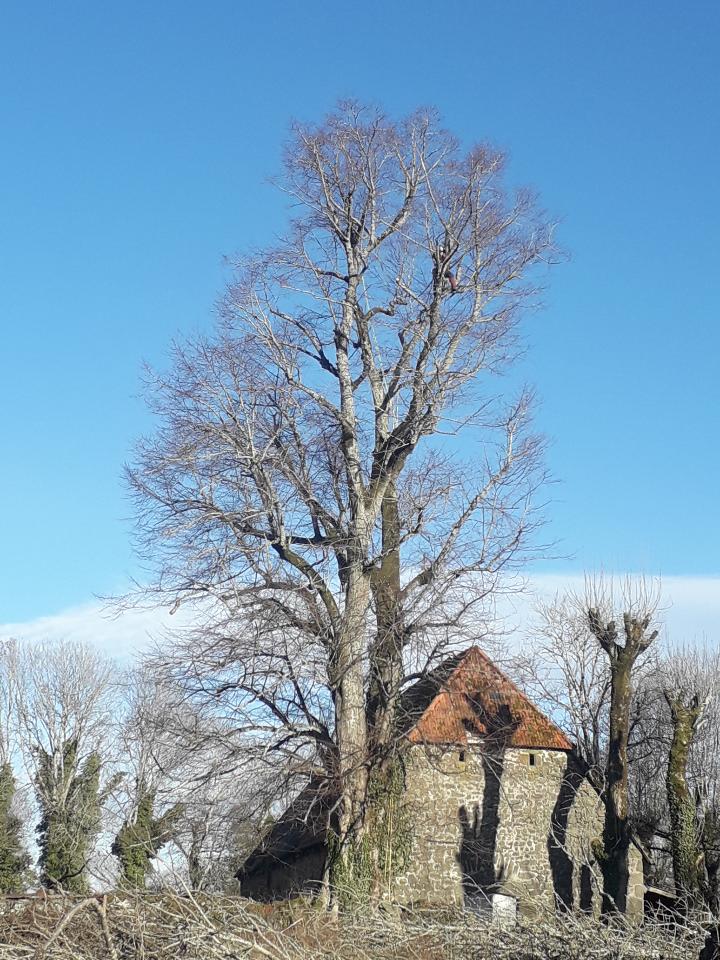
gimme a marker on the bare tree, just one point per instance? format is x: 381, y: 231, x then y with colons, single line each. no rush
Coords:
x: 565, y: 670
x: 604, y: 693
x: 148, y: 810
x: 64, y: 697
x: 306, y: 490
x: 219, y: 823
x: 8, y: 714
x: 638, y: 601
x: 14, y: 814
x: 181, y: 815
x: 568, y: 673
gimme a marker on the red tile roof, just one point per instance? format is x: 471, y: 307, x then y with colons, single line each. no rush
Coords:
x: 476, y: 697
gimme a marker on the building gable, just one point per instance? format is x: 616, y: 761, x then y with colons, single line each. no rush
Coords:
x: 476, y: 698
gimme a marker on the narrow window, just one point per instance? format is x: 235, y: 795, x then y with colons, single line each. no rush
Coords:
x: 532, y: 759
x: 461, y: 756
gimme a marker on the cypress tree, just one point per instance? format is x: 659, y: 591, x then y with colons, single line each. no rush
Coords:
x: 14, y: 858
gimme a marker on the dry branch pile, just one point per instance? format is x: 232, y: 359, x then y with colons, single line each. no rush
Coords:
x: 167, y: 927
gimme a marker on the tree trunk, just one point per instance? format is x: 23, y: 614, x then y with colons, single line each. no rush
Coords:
x: 711, y: 948
x: 616, y: 830
x: 348, y: 680
x: 194, y: 859
x: 683, y: 836
x: 617, y: 836
x: 386, y: 667
x: 387, y: 839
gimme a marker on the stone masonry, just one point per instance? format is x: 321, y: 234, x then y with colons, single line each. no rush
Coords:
x: 520, y: 822
x: 494, y: 812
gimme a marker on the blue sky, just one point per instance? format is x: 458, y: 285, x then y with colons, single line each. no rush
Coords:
x: 136, y: 139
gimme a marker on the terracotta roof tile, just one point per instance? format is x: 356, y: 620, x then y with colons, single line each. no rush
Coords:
x: 474, y: 696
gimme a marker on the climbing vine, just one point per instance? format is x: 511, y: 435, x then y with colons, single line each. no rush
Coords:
x: 141, y: 837
x: 14, y: 858
x: 364, y: 868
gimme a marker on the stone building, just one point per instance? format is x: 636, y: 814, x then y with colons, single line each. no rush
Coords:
x: 496, y: 811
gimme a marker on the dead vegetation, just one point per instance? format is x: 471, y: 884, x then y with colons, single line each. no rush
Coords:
x: 167, y: 927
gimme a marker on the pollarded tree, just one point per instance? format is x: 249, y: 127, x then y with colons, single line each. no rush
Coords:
x: 336, y: 471
x: 689, y: 682
x: 567, y: 672
x: 638, y: 604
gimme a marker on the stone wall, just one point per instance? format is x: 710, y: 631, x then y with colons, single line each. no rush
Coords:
x: 508, y: 821
x: 481, y: 822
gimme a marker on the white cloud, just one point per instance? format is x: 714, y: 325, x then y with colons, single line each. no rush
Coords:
x: 691, y: 613
x: 689, y: 606
x: 121, y: 636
